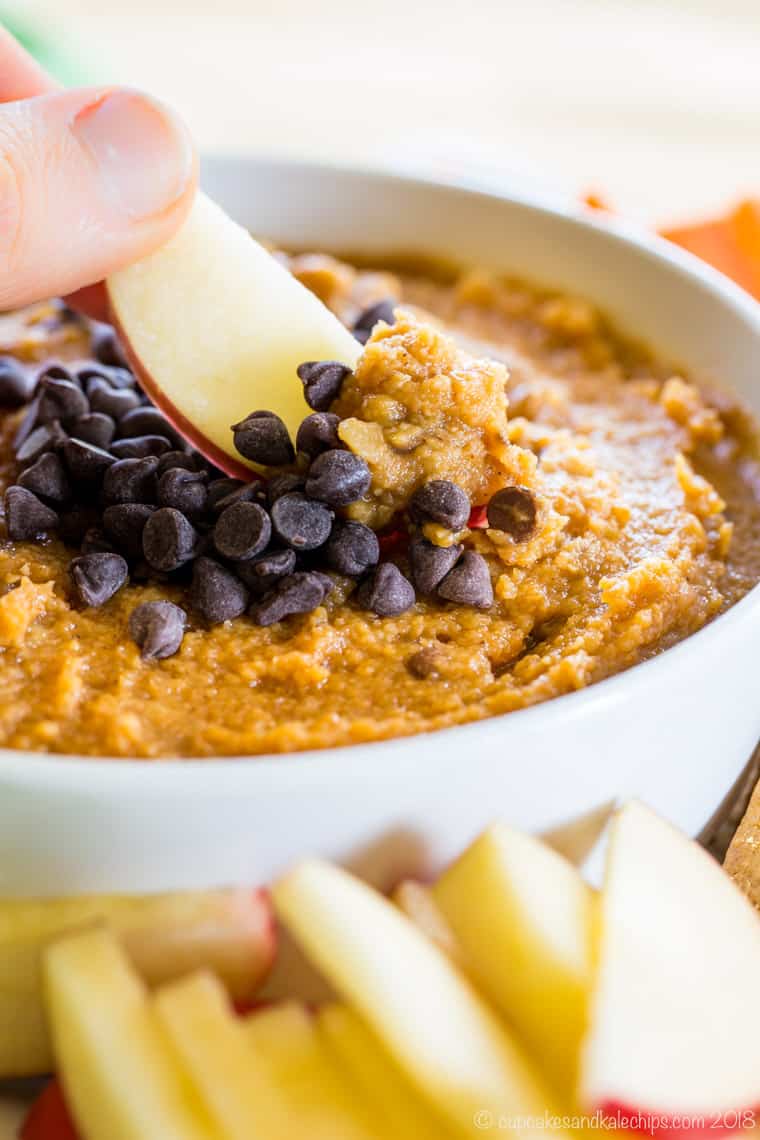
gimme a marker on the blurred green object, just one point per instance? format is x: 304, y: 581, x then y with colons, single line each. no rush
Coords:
x: 50, y: 55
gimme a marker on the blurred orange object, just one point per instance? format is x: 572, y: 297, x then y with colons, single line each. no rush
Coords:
x: 731, y: 244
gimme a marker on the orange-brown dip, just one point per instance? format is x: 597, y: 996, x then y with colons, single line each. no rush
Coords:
x: 647, y: 522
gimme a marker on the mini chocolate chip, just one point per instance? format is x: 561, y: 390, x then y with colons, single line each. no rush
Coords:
x: 147, y: 421
x: 513, y: 510
x: 242, y: 531
x: 218, y: 489
x: 216, y: 593
x: 54, y: 370
x: 131, y: 481
x: 322, y: 381
x: 338, y: 478
x: 86, y: 463
x: 469, y: 583
x: 185, y: 490
x: 139, y: 446
x: 429, y: 564
x: 301, y: 522
x: 125, y: 523
x: 442, y: 502
x: 424, y: 664
x: 157, y: 628
x: 299, y: 593
x: 87, y: 373
x: 243, y: 493
x: 95, y: 541
x: 106, y: 346
x: 317, y: 433
x: 366, y: 321
x: 26, y: 518
x: 16, y: 383
x: 122, y: 378
x: 187, y: 460
x: 352, y: 549
x: 283, y: 484
x: 60, y: 400
x: 386, y: 591
x: 94, y: 427
x: 263, y: 438
x: 169, y: 540
x: 97, y: 577
x: 262, y: 572
x: 47, y: 478
x: 114, y: 402
x: 76, y: 522
x: 46, y: 437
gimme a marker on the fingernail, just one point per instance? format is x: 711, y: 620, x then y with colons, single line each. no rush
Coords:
x: 142, y: 152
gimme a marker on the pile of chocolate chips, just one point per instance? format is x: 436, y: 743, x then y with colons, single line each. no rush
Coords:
x: 104, y: 470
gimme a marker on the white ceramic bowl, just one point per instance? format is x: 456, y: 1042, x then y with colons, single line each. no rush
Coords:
x: 675, y: 731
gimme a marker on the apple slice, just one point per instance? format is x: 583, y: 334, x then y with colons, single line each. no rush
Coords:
x: 381, y: 1084
x: 523, y: 918
x: 119, y: 1075
x: 415, y: 900
x: 577, y: 838
x: 676, y: 1005
x: 442, y: 1035
x: 165, y: 936
x: 235, y: 1087
x: 215, y: 328
x: 320, y: 1098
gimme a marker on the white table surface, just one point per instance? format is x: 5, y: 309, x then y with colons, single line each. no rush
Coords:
x: 655, y: 103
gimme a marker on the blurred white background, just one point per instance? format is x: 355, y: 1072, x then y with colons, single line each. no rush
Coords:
x: 655, y: 103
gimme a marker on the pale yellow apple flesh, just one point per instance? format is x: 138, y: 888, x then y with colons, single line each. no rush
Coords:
x: 676, y: 1004
x: 323, y: 1104
x: 381, y: 1084
x: 235, y: 1087
x: 215, y: 328
x: 416, y: 901
x: 165, y: 936
x: 440, y: 1033
x: 523, y: 918
x: 577, y: 838
x: 121, y: 1079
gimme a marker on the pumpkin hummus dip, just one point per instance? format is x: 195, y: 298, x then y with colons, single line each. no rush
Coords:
x: 503, y: 502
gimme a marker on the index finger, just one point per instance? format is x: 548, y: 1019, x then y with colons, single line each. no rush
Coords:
x: 21, y: 77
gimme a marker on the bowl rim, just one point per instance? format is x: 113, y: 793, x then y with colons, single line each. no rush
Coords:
x: 77, y: 771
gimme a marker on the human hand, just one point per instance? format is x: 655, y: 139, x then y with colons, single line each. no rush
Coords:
x: 90, y: 180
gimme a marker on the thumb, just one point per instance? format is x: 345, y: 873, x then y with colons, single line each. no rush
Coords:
x: 89, y: 181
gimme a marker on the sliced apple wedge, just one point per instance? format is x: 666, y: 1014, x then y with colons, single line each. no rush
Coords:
x: 676, y: 1004
x: 215, y: 328
x: 165, y: 936
x: 442, y: 1035
x: 415, y: 900
x: 381, y: 1084
x: 210, y: 1042
x: 323, y: 1104
x: 523, y: 917
x: 120, y: 1077
x: 577, y: 838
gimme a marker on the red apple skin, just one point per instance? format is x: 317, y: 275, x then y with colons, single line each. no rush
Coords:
x: 49, y: 1117
x: 266, y: 950
x: 236, y: 469
x: 702, y: 1124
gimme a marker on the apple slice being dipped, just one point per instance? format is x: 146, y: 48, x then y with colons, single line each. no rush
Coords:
x: 215, y: 328
x: 676, y: 1005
